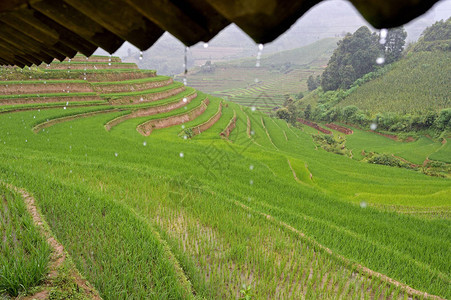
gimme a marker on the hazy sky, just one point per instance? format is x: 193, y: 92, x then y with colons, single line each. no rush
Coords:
x: 323, y: 20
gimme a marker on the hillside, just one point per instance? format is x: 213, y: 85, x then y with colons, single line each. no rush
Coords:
x: 264, y: 87
x: 418, y: 83
x: 157, y: 190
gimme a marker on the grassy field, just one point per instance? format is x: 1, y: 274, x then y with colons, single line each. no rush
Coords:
x: 265, y: 87
x: 425, y: 86
x: 169, y: 217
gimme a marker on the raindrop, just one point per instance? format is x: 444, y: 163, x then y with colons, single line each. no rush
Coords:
x: 252, y: 132
x: 251, y: 167
x: 141, y: 99
x: 185, y: 137
x: 185, y: 100
x: 253, y: 108
x: 373, y: 126
x: 363, y: 204
x: 256, y: 80
x: 109, y: 64
x: 116, y: 154
x: 205, y: 45
x: 183, y: 126
x: 186, y: 108
x: 64, y: 107
x: 260, y: 47
x: 181, y: 154
x: 257, y: 64
x: 26, y: 141
x: 380, y: 60
x: 249, y: 199
x: 185, y: 82
x: 384, y: 33
x: 144, y: 143
x: 251, y: 182
x: 140, y: 55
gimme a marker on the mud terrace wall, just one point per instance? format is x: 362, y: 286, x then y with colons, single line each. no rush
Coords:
x: 147, y: 127
x: 147, y: 97
x: 150, y: 111
x: 94, y: 59
x: 226, y: 132
x: 127, y: 87
x: 45, y: 88
x: 339, y: 128
x: 52, y: 122
x: 117, y: 76
x: 314, y: 125
x: 31, y: 100
x: 89, y: 66
x: 204, y: 126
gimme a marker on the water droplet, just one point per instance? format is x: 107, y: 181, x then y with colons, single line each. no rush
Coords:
x: 181, y: 154
x: 140, y: 55
x: 67, y: 103
x: 144, y: 143
x: 185, y: 137
x: 70, y: 171
x: 185, y: 82
x: 384, y: 33
x: 251, y: 182
x: 141, y: 99
x: 26, y: 141
x: 260, y: 47
x: 183, y: 126
x: 249, y: 199
x: 257, y: 64
x: 205, y: 45
x: 373, y: 126
x: 64, y: 107
x: 380, y: 60
x: 256, y: 80
x: 116, y: 154
x: 363, y: 204
x: 253, y: 108
x: 251, y: 167
x: 185, y: 100
x: 109, y: 64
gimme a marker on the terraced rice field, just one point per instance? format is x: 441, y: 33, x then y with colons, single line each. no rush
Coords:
x: 267, y: 86
x: 186, y: 212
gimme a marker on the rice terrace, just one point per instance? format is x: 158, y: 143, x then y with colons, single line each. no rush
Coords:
x: 316, y: 171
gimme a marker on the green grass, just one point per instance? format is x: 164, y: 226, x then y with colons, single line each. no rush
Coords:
x: 47, y: 95
x: 24, y: 253
x: 167, y: 217
x: 424, y: 86
x: 55, y: 81
x: 66, y: 167
x: 132, y: 81
x: 145, y: 92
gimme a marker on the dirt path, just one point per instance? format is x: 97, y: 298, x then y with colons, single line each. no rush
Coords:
x: 58, y: 254
x: 358, y: 267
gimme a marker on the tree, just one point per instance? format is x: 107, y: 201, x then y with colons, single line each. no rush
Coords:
x: 308, y: 111
x: 395, y: 41
x: 282, y: 113
x: 354, y: 57
x: 311, y: 83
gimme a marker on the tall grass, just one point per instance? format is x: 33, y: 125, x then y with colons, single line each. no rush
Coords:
x: 24, y: 252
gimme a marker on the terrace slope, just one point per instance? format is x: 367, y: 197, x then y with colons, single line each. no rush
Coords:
x: 185, y: 213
